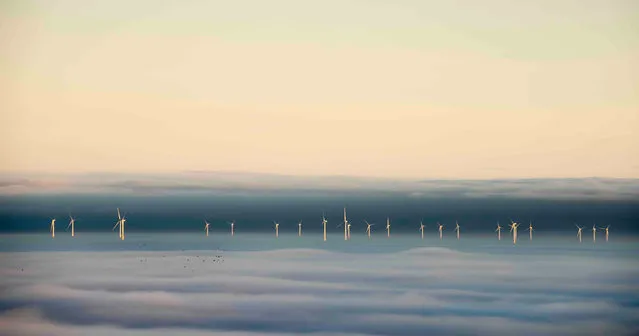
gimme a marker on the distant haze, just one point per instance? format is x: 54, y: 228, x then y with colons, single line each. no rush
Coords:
x: 402, y: 89
x: 181, y: 201
x: 236, y: 183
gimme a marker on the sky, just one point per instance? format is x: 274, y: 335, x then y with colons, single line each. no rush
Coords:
x: 403, y: 89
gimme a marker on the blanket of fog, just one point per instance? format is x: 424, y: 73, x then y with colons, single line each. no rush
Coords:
x: 586, y: 289
x: 234, y: 183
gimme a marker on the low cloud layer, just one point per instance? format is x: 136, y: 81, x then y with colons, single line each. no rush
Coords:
x: 224, y: 183
x: 423, y: 291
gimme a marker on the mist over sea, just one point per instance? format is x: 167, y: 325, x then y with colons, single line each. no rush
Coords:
x: 257, y: 284
x: 256, y: 213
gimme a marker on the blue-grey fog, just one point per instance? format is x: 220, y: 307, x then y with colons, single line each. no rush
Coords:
x: 257, y: 284
x: 182, y: 201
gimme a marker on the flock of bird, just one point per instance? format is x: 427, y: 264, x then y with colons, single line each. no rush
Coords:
x: 514, y: 227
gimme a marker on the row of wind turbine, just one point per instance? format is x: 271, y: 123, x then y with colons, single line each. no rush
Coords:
x: 347, y: 232
x: 120, y: 223
x: 71, y: 225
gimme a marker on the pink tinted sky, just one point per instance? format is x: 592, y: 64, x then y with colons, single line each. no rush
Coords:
x: 377, y: 88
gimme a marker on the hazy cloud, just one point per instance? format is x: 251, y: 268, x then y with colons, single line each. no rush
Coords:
x: 239, y: 183
x: 285, y: 292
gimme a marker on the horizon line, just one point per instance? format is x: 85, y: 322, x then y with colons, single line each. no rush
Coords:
x: 248, y: 172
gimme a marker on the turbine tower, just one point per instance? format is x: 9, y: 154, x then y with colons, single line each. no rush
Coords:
x: 530, y: 230
x: 349, y: 231
x: 606, y: 229
x: 388, y: 226
x: 498, y: 231
x: 324, y: 222
x: 345, y: 226
x: 52, y: 228
x: 513, y: 229
x: 457, y: 229
x: 232, y: 228
x: 122, y: 225
x: 421, y: 228
x: 440, y: 228
x: 72, y: 225
x: 594, y: 233
x: 579, y: 228
x: 277, y: 229
x: 299, y: 229
x: 368, y: 229
x: 206, y: 227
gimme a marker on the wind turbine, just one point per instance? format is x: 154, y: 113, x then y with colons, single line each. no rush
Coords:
x: 368, y: 229
x: 513, y: 229
x: 232, y: 228
x: 421, y: 228
x: 579, y: 228
x: 594, y: 233
x: 349, y: 231
x: 457, y: 229
x: 120, y: 224
x: 606, y: 229
x: 388, y: 226
x: 299, y: 229
x: 52, y: 228
x: 72, y: 225
x: 324, y: 222
x: 345, y: 226
x: 530, y: 229
x: 498, y: 231
x: 440, y: 228
x: 206, y: 227
x: 277, y: 229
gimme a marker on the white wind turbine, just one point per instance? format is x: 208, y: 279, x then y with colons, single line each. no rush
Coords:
x: 498, y: 230
x: 388, y: 226
x: 579, y: 228
x: 457, y: 229
x: 52, y: 228
x: 72, y: 225
x: 206, y: 227
x: 232, y: 228
x: 594, y: 233
x: 324, y: 222
x: 530, y: 230
x: 345, y: 226
x: 440, y: 228
x: 299, y: 229
x: 120, y: 224
x: 605, y: 229
x: 277, y: 229
x: 421, y: 228
x: 513, y: 229
x: 368, y: 229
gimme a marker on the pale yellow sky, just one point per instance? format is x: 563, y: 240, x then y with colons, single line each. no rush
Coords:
x: 411, y: 89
